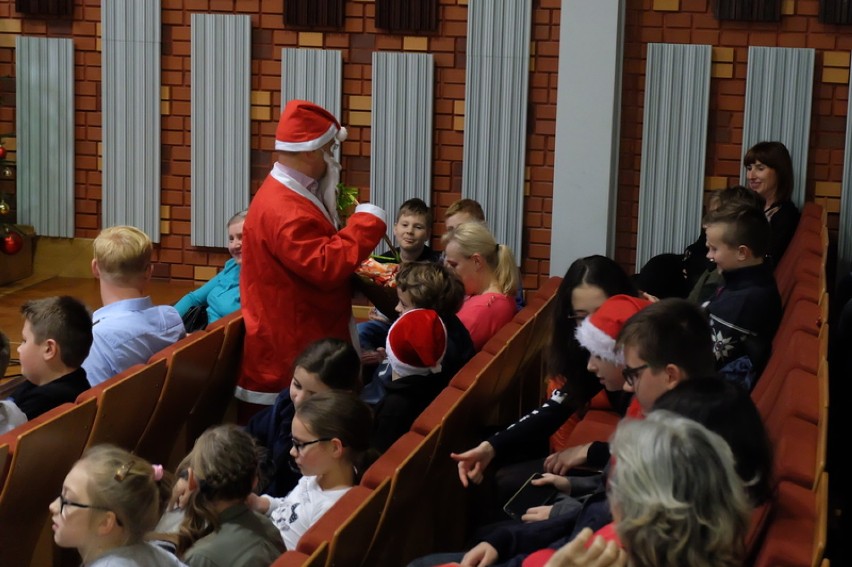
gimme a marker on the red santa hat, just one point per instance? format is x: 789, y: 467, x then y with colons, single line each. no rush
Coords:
x: 599, y: 331
x: 305, y: 126
x: 417, y: 343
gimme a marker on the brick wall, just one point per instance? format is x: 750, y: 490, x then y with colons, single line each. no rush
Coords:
x: 692, y: 21
x: 677, y: 21
x: 175, y: 256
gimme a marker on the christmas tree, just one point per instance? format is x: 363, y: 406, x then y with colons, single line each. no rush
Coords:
x: 11, y: 239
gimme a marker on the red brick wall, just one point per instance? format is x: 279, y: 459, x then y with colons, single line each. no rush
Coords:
x: 692, y: 21
x: 677, y: 21
x: 175, y: 255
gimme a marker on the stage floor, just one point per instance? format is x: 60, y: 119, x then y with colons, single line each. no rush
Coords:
x: 84, y: 289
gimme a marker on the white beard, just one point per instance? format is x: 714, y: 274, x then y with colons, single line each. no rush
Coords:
x: 328, y: 187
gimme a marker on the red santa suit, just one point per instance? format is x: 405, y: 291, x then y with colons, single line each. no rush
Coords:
x: 295, y: 276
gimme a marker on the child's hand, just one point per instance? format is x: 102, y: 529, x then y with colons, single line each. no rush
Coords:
x: 376, y: 315
x: 649, y: 297
x: 560, y: 483
x: 180, y: 494
x: 563, y: 461
x: 537, y: 514
x: 373, y: 357
x: 258, y: 503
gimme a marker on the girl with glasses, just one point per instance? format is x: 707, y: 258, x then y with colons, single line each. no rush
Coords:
x: 324, y: 365
x: 109, y: 501
x: 330, y: 446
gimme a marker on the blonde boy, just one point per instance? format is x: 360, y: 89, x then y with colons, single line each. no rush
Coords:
x: 56, y: 338
x: 129, y: 328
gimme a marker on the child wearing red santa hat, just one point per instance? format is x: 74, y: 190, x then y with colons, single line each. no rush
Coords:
x: 297, y: 259
x: 416, y: 345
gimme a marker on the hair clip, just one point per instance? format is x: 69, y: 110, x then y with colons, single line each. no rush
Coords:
x: 122, y: 471
x: 158, y: 472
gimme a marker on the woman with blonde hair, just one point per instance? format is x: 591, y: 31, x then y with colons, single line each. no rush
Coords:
x: 490, y: 277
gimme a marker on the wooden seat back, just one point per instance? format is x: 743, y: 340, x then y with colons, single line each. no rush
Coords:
x: 219, y: 391
x: 125, y: 404
x: 42, y: 452
x: 405, y: 464
x: 190, y: 364
x: 294, y: 558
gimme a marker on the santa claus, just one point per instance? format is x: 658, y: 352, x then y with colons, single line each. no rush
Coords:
x: 297, y: 259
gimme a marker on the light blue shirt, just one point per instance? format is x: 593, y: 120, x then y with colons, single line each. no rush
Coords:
x: 221, y: 294
x: 129, y: 332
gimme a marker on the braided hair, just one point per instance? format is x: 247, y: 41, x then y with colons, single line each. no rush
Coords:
x: 224, y: 462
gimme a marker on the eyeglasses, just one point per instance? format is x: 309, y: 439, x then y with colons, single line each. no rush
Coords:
x: 300, y: 445
x: 63, y: 502
x: 631, y: 375
x: 578, y: 316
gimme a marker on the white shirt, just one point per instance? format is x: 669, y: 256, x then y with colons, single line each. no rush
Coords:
x: 294, y: 514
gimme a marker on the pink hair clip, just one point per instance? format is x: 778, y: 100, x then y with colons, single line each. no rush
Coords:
x: 158, y: 472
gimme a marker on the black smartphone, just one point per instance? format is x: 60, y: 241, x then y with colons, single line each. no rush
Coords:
x: 529, y: 496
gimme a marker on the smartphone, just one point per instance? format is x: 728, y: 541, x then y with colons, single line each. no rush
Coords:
x: 529, y: 496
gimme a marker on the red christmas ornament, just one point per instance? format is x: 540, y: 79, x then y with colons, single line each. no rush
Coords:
x: 12, y: 242
x: 2, y: 152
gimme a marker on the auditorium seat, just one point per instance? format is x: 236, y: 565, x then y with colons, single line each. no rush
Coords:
x: 41, y: 452
x: 470, y: 372
x: 190, y: 363
x: 219, y: 391
x: 125, y: 404
x: 4, y: 463
x: 796, y: 535
x: 295, y: 558
x: 405, y: 464
x: 348, y: 526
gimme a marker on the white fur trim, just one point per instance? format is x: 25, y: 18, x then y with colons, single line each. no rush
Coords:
x: 373, y: 210
x: 342, y: 134
x: 598, y: 343
x: 259, y: 398
x: 310, y: 144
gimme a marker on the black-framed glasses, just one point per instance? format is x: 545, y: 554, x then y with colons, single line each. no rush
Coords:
x: 300, y: 445
x: 63, y: 502
x: 631, y: 374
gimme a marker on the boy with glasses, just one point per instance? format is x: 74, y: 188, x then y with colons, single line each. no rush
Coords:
x: 663, y: 344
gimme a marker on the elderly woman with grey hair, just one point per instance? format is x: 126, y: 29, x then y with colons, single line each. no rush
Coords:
x: 675, y: 496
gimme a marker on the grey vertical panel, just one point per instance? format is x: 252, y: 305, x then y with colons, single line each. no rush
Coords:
x: 131, y: 114
x: 312, y: 74
x: 44, y: 91
x: 674, y: 142
x: 779, y: 90
x: 844, y: 236
x: 588, y: 137
x: 221, y: 106
x: 495, y: 123
x: 401, y: 147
